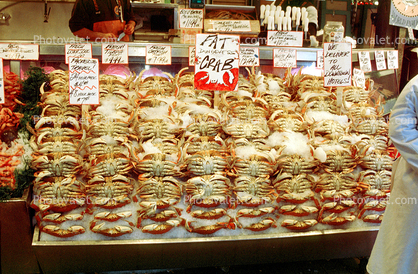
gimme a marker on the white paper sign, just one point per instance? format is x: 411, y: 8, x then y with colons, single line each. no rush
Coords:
x: 249, y: 57
x: 78, y: 51
x: 158, y: 55
x: 364, y: 61
x: 379, y: 57
x: 114, y: 53
x: 217, y: 62
x: 284, y: 58
x: 393, y: 62
x: 285, y: 38
x: 19, y: 51
x: 358, y: 78
x: 192, y: 55
x: 320, y: 59
x: 84, y: 81
x: 2, y: 99
x: 231, y: 25
x: 337, y: 64
x: 191, y: 18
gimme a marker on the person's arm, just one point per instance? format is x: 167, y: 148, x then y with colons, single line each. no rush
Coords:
x: 90, y: 35
x: 130, y: 18
x: 403, y: 123
x: 129, y: 28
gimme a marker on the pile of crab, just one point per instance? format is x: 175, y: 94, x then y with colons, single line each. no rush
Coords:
x: 157, y: 155
x: 11, y: 147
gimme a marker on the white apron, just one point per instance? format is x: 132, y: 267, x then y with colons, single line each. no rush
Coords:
x: 396, y: 246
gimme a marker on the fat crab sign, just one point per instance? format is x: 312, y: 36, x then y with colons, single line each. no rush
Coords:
x: 217, y: 62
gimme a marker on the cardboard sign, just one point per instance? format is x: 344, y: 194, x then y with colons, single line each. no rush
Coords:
x: 192, y: 55
x: 284, y: 58
x: 320, y: 59
x: 78, y: 51
x: 231, y: 26
x: 337, y: 64
x: 379, y: 57
x: 191, y: 18
x: 358, y: 78
x: 217, y: 62
x: 19, y: 51
x: 158, y: 55
x: 84, y: 81
x: 114, y: 53
x: 2, y: 99
x: 364, y: 61
x: 249, y: 57
x: 393, y: 62
x: 285, y: 38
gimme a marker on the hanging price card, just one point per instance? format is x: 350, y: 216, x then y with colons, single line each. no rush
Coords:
x: 19, y: 51
x: 84, y: 81
x: 78, y: 51
x: 358, y: 78
x: 231, y: 26
x: 191, y: 18
x: 337, y: 64
x: 284, y: 58
x: 217, y: 62
x: 285, y: 38
x: 114, y: 53
x: 192, y: 55
x: 1, y: 82
x: 249, y: 57
x: 320, y: 59
x: 158, y: 55
x: 364, y: 61
x: 379, y: 57
x: 392, y: 59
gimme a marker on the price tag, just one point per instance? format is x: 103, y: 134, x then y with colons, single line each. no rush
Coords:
x: 2, y: 99
x: 285, y: 38
x: 114, y: 53
x: 84, y: 81
x: 231, y: 26
x: 78, y: 51
x: 284, y: 58
x: 358, y: 78
x: 320, y: 59
x: 191, y: 18
x: 19, y: 51
x: 192, y: 55
x: 379, y: 57
x: 217, y: 62
x: 337, y: 64
x: 364, y: 61
x: 249, y: 57
x: 158, y: 55
x: 393, y: 62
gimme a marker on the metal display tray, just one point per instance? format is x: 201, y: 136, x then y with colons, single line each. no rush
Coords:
x: 112, y: 255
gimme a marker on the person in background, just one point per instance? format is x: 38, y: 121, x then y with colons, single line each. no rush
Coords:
x: 396, y: 246
x: 102, y: 20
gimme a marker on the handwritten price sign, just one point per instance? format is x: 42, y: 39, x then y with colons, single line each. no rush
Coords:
x: 19, y: 51
x: 358, y: 78
x: 77, y: 51
x: 217, y: 62
x: 379, y: 57
x: 364, y: 60
x: 393, y: 59
x: 191, y: 18
x: 249, y: 57
x: 231, y: 26
x: 192, y: 55
x: 84, y: 81
x: 320, y: 59
x: 284, y: 58
x: 158, y: 55
x: 285, y: 38
x: 337, y: 64
x: 1, y: 82
x: 114, y: 53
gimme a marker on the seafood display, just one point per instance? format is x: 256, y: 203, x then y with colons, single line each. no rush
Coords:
x: 158, y: 157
